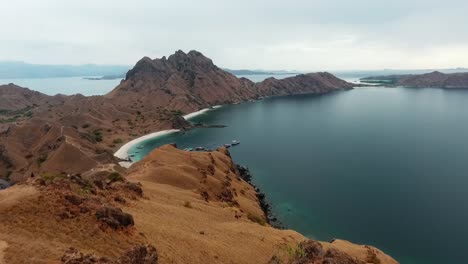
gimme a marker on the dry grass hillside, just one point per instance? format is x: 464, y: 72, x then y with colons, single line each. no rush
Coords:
x: 192, y: 207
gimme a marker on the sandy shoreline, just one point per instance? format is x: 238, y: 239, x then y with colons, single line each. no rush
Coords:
x: 199, y: 112
x: 122, y: 152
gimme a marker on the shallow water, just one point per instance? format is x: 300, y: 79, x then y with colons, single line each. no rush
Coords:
x: 380, y: 166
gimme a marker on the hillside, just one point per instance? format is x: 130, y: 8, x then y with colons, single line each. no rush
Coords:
x: 176, y: 207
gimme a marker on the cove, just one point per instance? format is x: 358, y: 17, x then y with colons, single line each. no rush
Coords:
x: 381, y: 166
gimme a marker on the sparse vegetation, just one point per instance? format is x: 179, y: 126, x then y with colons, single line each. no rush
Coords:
x: 85, y: 126
x: 118, y: 141
x: 8, y: 175
x: 177, y: 113
x: 42, y: 158
x: 50, y: 177
x: 296, y: 252
x: 256, y: 219
x: 97, y: 135
x: 115, y: 177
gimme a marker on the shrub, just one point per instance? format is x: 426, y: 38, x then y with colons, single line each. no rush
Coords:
x: 97, y: 135
x: 117, y: 141
x: 41, y: 159
x: 256, y: 219
x: 114, y: 177
x: 187, y: 204
x: 85, y: 125
x: 295, y: 252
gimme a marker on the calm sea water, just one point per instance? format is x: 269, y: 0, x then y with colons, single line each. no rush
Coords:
x: 65, y: 85
x: 380, y: 166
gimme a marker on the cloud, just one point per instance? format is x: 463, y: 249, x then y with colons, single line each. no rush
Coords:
x: 302, y: 35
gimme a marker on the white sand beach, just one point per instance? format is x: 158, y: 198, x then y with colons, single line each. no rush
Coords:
x: 199, y: 112
x: 122, y: 152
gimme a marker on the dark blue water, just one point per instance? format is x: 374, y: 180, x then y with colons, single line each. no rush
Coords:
x: 380, y: 166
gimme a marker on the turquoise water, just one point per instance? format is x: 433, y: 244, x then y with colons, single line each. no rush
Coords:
x: 65, y: 85
x: 380, y: 166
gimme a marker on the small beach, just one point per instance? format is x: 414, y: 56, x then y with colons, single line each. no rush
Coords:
x: 122, y: 152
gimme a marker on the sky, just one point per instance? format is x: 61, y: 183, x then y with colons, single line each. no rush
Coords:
x: 304, y: 35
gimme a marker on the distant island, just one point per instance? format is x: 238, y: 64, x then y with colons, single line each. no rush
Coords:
x: 14, y: 69
x: 235, y: 72
x: 259, y: 72
x: 432, y: 79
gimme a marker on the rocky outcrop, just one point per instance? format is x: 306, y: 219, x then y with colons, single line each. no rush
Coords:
x: 114, y: 217
x: 183, y: 82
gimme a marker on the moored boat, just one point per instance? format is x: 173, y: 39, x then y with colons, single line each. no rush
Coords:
x: 235, y: 142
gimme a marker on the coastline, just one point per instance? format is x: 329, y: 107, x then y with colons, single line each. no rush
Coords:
x: 122, y: 152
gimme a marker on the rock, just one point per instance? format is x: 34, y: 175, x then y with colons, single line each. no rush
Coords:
x: 73, y: 199
x: 120, y: 199
x: 313, y: 253
x: 134, y: 187
x: 142, y: 254
x: 114, y: 217
x: 73, y: 256
x: 4, y: 184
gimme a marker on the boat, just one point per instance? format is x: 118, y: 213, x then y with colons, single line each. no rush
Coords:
x: 188, y: 149
x: 227, y: 145
x: 235, y: 142
x: 140, y: 147
x: 199, y: 148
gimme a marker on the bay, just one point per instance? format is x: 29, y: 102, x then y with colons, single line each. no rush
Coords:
x: 386, y: 167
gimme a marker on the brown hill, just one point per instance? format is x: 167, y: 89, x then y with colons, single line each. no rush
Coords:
x: 192, y: 207
x: 15, y: 98
x: 184, y: 82
x: 436, y: 79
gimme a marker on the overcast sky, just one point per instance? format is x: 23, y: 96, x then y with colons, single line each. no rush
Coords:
x: 301, y: 35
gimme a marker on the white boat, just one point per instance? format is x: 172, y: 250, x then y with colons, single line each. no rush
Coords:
x: 235, y: 142
x: 227, y: 145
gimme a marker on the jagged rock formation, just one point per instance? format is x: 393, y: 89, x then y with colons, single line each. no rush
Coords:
x: 185, y: 82
x: 434, y: 79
